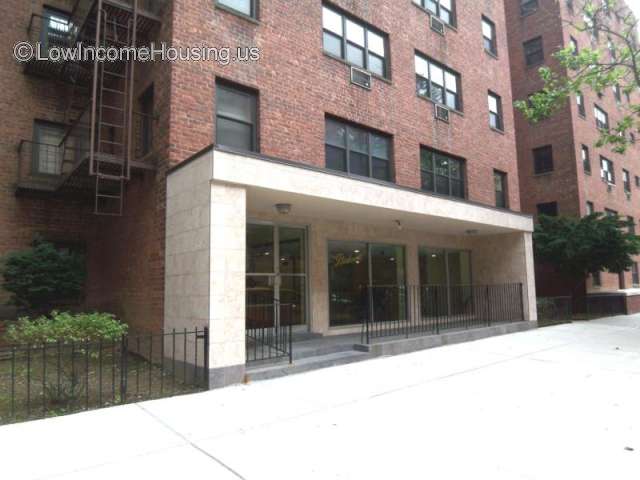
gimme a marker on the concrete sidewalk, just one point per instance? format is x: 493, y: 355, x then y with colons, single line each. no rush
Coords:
x: 554, y: 403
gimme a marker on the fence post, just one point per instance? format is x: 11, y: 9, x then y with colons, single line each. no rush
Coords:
x: 522, y: 316
x: 124, y: 353
x: 206, y: 356
x: 436, y: 303
x: 368, y: 317
x: 488, y: 303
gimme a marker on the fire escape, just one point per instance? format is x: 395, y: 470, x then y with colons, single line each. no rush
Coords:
x: 99, y: 146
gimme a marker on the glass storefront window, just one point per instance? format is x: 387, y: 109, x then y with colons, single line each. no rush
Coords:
x: 354, y: 267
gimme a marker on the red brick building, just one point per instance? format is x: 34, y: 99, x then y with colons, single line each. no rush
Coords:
x: 562, y: 171
x: 168, y: 173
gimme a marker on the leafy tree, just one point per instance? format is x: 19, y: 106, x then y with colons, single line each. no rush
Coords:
x: 43, y: 276
x: 612, y: 61
x: 578, y: 247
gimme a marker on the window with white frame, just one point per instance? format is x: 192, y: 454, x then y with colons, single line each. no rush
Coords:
x: 602, y: 118
x: 443, y: 9
x: 489, y: 36
x: 495, y: 111
x: 606, y: 171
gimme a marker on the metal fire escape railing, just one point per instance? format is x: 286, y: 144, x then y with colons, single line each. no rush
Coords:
x: 100, y: 140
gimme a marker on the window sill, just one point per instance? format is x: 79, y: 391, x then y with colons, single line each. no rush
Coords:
x: 583, y: 117
x: 543, y: 174
x: 424, y: 10
x: 343, y: 61
x: 587, y: 173
x: 230, y: 10
x: 534, y: 65
x: 452, y: 110
x: 491, y: 54
x: 497, y: 130
x: 526, y: 14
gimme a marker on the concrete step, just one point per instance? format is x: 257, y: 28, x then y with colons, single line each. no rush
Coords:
x: 306, y: 364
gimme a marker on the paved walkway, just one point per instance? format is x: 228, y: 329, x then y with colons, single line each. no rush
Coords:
x: 554, y: 403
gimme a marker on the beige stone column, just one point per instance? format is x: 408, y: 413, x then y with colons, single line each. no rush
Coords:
x: 227, y: 284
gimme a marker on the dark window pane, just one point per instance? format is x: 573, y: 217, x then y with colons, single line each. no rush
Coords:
x: 380, y: 147
x: 359, y: 164
x: 332, y: 44
x: 358, y: 140
x: 336, y: 158
x: 457, y: 188
x: 336, y: 134
x: 235, y: 104
x: 381, y: 169
x: 426, y: 160
x: 437, y: 93
x: 234, y: 134
x: 355, y: 55
x: 550, y: 209
x: 543, y: 159
x: 442, y: 185
x: 427, y: 181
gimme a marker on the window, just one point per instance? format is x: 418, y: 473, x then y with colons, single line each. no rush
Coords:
x: 580, y: 102
x: 590, y: 208
x: 631, y: 224
x: 47, y: 154
x: 437, y: 82
x: 586, y: 160
x: 637, y: 181
x: 632, y: 137
x: 500, y: 182
x: 495, y: 112
x: 245, y: 7
x: 357, y: 151
x: 236, y: 117
x: 606, y: 171
x: 550, y: 209
x: 635, y: 274
x: 626, y: 181
x: 489, y: 36
x: 543, y: 159
x: 146, y: 121
x: 528, y: 6
x: 573, y: 43
x: 610, y: 213
x: 442, y: 173
x: 359, y: 45
x: 602, y: 118
x: 617, y: 94
x: 612, y: 49
x: 55, y: 28
x: 533, y: 51
x: 443, y: 9
x: 597, y: 279
x: 627, y: 96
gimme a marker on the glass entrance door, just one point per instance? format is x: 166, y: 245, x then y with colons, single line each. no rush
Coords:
x: 276, y: 275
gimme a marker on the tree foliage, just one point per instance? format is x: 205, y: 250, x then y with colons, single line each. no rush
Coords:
x: 43, y: 276
x: 578, y: 247
x: 611, y: 61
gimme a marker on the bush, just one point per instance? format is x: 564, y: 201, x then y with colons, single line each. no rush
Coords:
x: 66, y: 327
x: 43, y: 276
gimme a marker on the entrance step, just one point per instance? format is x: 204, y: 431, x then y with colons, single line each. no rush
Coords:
x: 307, y: 364
x: 322, y: 345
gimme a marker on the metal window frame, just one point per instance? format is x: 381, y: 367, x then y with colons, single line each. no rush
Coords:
x: 254, y: 8
x: 452, y: 12
x: 370, y: 156
x: 463, y: 170
x: 610, y: 174
x: 582, y: 111
x: 528, y: 53
x: 586, y: 158
x: 535, y: 160
x: 499, y: 113
x: 235, y: 88
x: 386, y: 74
x: 35, y: 154
x: 544, y: 204
x: 458, y: 94
x: 505, y: 188
x: 599, y: 124
x: 493, y: 41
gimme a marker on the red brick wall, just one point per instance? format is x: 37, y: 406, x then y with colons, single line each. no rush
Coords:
x: 298, y: 85
x: 566, y: 131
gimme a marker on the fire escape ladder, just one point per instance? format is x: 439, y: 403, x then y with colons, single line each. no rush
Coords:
x: 112, y: 113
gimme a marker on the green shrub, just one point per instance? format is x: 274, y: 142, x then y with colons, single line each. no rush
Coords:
x: 66, y: 327
x: 43, y: 276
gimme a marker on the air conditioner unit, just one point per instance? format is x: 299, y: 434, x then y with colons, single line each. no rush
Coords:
x: 361, y: 78
x: 441, y: 113
x: 437, y: 25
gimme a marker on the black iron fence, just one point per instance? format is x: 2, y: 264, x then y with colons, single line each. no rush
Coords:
x: 401, y: 310
x: 38, y: 381
x: 269, y: 331
x: 555, y: 309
